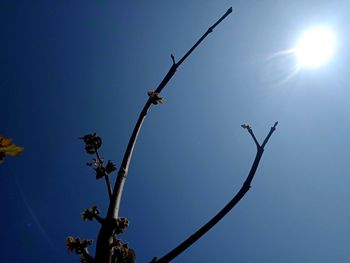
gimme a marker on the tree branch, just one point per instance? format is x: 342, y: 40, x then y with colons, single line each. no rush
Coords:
x: 108, y: 183
x: 246, y: 126
x: 105, y: 236
x: 231, y: 204
x: 109, y: 186
x: 273, y: 128
x: 210, y: 29
x: 113, y: 210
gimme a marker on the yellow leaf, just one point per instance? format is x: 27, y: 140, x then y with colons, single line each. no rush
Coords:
x: 12, y: 150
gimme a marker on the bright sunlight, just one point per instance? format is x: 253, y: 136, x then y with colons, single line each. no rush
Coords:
x: 315, y: 47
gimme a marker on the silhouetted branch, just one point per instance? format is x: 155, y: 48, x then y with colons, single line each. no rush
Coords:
x: 273, y: 128
x: 173, y: 58
x: 210, y: 29
x: 244, y: 189
x: 246, y: 126
x: 108, y: 183
x: 106, y: 232
x: 118, y: 187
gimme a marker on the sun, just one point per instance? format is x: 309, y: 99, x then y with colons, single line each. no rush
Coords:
x: 315, y: 47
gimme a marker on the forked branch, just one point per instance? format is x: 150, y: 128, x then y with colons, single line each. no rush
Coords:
x: 244, y: 189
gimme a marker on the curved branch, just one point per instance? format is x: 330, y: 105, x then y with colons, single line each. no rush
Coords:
x: 231, y: 204
x: 105, y: 236
x: 113, y: 209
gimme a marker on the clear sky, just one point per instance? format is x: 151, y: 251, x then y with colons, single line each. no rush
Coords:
x: 69, y: 68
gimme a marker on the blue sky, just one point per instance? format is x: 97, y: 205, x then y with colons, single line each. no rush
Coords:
x: 71, y: 68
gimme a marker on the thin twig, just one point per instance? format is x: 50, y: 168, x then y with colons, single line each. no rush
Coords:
x: 210, y: 29
x: 231, y: 204
x: 172, y: 58
x: 253, y: 136
x: 273, y: 128
x: 246, y: 126
x: 108, y: 183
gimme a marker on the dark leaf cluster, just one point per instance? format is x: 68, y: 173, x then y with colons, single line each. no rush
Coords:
x: 90, y: 213
x: 122, y: 225
x: 92, y: 142
x: 100, y: 169
x: 76, y: 245
x: 122, y: 253
x: 155, y: 97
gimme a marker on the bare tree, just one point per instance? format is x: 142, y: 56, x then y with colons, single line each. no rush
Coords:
x: 110, y: 249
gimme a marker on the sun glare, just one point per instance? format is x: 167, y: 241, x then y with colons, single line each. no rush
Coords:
x: 315, y: 47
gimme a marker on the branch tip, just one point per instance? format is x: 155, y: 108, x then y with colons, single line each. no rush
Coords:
x: 273, y: 128
x: 246, y: 126
x: 173, y: 59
